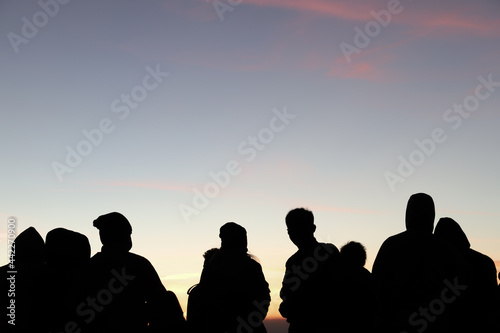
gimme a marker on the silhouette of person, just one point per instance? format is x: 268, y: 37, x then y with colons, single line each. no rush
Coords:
x: 67, y: 252
x: 121, y: 291
x: 497, y: 308
x: 236, y: 293
x: 309, y: 286
x: 477, y: 309
x: 416, y: 275
x: 196, y: 311
x: 25, y: 287
x: 357, y: 298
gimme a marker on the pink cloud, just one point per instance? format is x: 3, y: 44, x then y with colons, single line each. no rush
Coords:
x: 358, y: 70
x: 471, y: 19
x: 350, y: 11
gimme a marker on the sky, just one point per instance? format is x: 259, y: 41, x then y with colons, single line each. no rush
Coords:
x: 184, y: 115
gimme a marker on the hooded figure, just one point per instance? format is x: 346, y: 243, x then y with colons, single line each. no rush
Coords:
x: 25, y: 285
x: 67, y: 252
x: 476, y: 309
x: 411, y: 270
x: 235, y: 292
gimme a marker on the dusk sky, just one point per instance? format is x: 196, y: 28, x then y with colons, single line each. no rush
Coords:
x: 184, y: 115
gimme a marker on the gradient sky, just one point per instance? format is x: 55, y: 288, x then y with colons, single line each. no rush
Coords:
x: 351, y: 121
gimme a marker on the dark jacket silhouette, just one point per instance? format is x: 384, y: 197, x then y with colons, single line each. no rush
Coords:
x: 121, y: 291
x: 476, y: 310
x: 196, y: 307
x: 28, y: 291
x: 309, y: 291
x: 67, y: 252
x: 416, y: 275
x: 356, y: 295
x: 235, y: 291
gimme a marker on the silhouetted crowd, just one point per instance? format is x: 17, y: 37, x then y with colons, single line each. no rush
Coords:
x: 424, y: 279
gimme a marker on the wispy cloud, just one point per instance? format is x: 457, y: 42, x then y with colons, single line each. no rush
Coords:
x: 470, y: 19
x: 346, y: 10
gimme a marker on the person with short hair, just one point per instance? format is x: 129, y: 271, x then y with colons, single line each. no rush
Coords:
x: 309, y: 290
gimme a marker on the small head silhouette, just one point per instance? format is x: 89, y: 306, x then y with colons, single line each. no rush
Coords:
x: 449, y: 229
x: 420, y: 214
x: 301, y: 227
x: 353, y: 254
x: 209, y: 254
x: 233, y: 238
x: 114, y: 231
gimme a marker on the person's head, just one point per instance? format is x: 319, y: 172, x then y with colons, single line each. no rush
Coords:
x: 29, y: 248
x: 353, y: 253
x: 450, y: 230
x: 233, y: 238
x: 209, y: 254
x: 300, y: 226
x: 66, y: 247
x: 420, y: 214
x: 114, y: 231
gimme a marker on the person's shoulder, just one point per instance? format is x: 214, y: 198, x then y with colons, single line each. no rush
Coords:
x: 137, y: 259
x: 329, y: 247
x: 402, y: 237
x: 253, y: 263
x: 481, y: 257
x: 293, y: 259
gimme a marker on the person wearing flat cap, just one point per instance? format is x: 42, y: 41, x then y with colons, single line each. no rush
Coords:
x: 121, y: 291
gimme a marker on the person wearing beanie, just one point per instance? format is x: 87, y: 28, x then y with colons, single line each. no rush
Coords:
x: 236, y: 295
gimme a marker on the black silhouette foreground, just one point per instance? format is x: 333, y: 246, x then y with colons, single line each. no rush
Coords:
x: 414, y: 270
x: 422, y: 282
x: 120, y: 291
x: 310, y: 286
x: 233, y: 295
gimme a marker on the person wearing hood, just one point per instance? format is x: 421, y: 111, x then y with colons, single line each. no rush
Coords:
x: 475, y: 312
x: 414, y: 274
x: 235, y: 291
x: 67, y: 252
x: 23, y: 284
